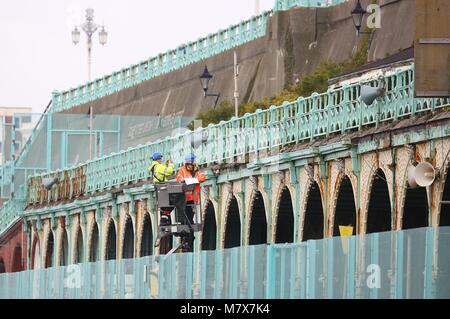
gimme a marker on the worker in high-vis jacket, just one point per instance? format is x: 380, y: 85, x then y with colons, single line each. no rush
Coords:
x: 160, y: 173
x: 191, y: 170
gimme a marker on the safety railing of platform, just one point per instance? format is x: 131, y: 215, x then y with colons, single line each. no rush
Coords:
x: 339, y: 110
x: 409, y: 264
x: 182, y: 56
x: 281, y: 5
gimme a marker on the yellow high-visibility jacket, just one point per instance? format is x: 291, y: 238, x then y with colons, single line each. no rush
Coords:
x: 160, y: 172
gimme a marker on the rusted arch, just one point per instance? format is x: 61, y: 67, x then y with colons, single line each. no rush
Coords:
x: 257, y: 231
x: 78, y: 247
x: 415, y: 211
x: 232, y: 220
x: 49, y: 249
x: 378, y: 211
x: 146, y: 235
x: 35, y: 245
x: 209, y: 221
x: 284, y: 220
x: 313, y: 189
x: 417, y: 201
x: 344, y: 206
x: 110, y: 235
x: 128, y: 239
x: 93, y: 240
x: 63, y: 247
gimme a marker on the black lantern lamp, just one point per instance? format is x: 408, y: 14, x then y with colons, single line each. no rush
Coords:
x: 358, y: 14
x: 204, y: 79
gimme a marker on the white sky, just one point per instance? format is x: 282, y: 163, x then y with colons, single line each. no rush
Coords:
x: 37, y: 54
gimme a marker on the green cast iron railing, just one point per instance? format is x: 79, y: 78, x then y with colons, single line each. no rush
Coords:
x: 338, y: 111
x: 12, y: 209
x: 180, y: 57
x: 164, y: 63
x: 408, y: 264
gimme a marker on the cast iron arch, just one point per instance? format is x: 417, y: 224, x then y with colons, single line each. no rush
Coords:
x: 258, y: 221
x: 64, y: 250
x: 128, y: 240
x: 345, y: 213
x: 379, y: 209
x: 415, y: 210
x: 233, y: 225
x: 313, y: 224
x: 49, y: 250
x: 79, y: 249
x: 111, y: 241
x: 284, y: 231
x: 209, y: 228
x: 36, y: 253
x: 94, y: 245
x: 147, y: 237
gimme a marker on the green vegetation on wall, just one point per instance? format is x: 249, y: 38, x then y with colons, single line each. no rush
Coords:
x: 317, y: 82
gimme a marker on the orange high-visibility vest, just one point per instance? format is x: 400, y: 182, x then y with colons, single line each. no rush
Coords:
x: 184, y: 173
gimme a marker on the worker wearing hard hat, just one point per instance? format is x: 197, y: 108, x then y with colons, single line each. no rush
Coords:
x: 190, y: 170
x: 160, y: 173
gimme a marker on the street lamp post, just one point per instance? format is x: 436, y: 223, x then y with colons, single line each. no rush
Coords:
x: 90, y: 27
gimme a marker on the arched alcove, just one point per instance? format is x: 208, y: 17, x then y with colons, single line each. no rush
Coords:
x: 209, y: 228
x: 233, y: 225
x: 284, y: 231
x: 314, y: 222
x: 379, y: 210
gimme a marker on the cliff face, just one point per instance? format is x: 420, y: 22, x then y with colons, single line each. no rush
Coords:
x: 295, y: 43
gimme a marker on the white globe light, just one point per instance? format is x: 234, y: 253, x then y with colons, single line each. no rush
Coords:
x: 103, y: 36
x: 75, y: 36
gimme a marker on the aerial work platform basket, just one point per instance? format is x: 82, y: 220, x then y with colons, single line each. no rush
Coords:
x: 171, y: 196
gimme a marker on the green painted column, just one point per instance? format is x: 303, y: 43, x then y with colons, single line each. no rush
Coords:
x: 115, y: 217
x: 99, y: 221
x: 53, y: 229
x: 268, y: 191
x: 68, y: 225
x: 27, y: 230
x: 394, y: 190
x: 324, y: 177
x: 356, y: 165
x: 83, y: 225
x: 219, y: 200
x: 242, y: 214
x: 295, y: 180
